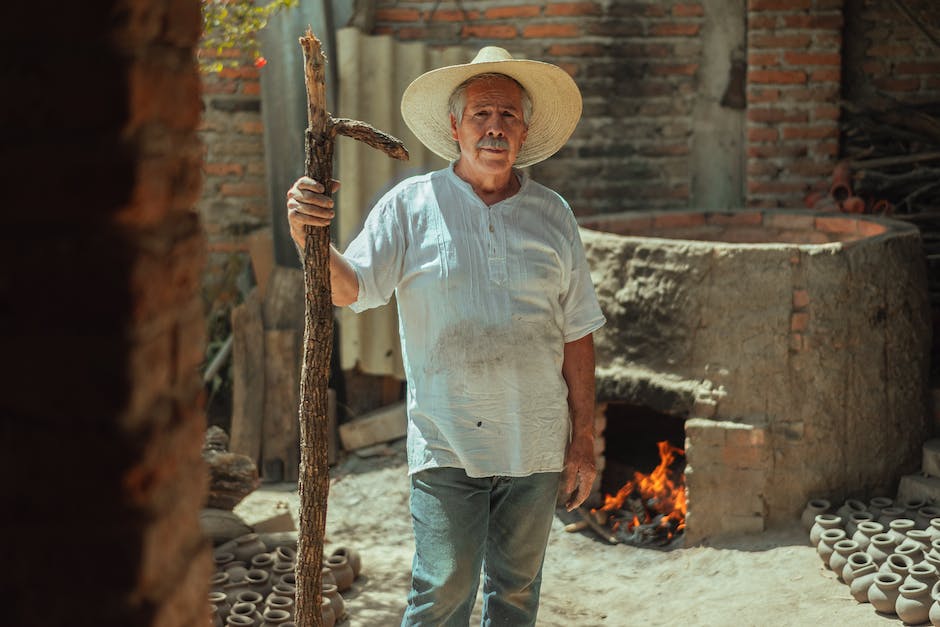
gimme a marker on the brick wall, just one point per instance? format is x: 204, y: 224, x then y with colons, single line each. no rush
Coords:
x: 793, y: 87
x: 636, y: 65
x: 234, y: 197
x: 886, y: 53
x: 100, y: 318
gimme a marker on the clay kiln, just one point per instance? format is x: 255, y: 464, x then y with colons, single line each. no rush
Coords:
x: 794, y: 345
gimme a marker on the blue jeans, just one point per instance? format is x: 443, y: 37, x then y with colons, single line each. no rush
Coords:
x: 462, y: 524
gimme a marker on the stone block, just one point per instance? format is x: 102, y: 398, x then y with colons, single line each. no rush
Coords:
x: 930, y: 464
x: 919, y: 487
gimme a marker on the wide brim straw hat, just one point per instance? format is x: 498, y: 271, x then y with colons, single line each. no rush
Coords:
x: 556, y: 103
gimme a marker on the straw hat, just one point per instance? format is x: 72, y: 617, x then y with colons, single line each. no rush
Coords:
x: 556, y: 103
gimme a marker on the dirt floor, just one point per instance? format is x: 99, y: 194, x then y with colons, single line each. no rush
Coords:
x: 774, y: 578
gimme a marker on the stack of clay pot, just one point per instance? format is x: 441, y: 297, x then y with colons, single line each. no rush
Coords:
x: 887, y: 553
x: 254, y: 583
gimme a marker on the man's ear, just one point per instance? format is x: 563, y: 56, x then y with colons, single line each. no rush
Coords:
x: 453, y: 127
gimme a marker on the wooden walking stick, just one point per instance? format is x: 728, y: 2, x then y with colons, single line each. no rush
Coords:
x: 314, y: 479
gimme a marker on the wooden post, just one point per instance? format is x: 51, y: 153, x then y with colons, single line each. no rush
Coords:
x: 314, y: 480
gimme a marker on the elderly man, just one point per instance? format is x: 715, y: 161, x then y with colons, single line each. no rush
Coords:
x: 496, y: 311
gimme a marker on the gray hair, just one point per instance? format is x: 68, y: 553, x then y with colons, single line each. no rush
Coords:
x: 458, y: 98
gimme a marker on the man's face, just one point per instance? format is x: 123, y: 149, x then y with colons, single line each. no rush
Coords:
x: 492, y: 129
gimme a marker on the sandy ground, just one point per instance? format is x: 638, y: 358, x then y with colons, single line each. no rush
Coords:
x: 774, y: 578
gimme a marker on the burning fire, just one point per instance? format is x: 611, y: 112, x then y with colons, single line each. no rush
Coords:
x: 657, y: 499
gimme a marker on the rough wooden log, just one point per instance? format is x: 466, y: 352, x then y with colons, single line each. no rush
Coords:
x: 247, y: 377
x: 279, y: 441
x: 313, y: 484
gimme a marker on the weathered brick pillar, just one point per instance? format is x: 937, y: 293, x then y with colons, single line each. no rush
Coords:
x: 793, y: 87
x: 100, y: 318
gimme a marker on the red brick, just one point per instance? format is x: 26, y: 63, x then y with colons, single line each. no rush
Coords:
x: 664, y: 150
x: 688, y: 10
x: 799, y: 321
x: 778, y: 41
x: 800, y: 299
x: 535, y: 31
x: 774, y: 187
x: 810, y: 132
x: 688, y: 69
x: 576, y: 50
x: 763, y: 95
x: 826, y: 148
x: 501, y: 13
x: 776, y: 77
x: 573, y: 8
x: 870, y: 229
x: 890, y: 51
x: 654, y: 10
x: 252, y: 88
x: 796, y: 342
x: 224, y: 169
x: 812, y: 58
x: 396, y: 14
x: 219, y: 87
x: 778, y: 5
x: 776, y: 115
x: 827, y: 41
x: 897, y: 84
x: 764, y: 59
x: 410, y: 33
x: 836, y: 225
x: 776, y: 151
x: 789, y: 221
x: 917, y: 68
x: 454, y: 15
x: 756, y: 21
x: 489, y: 31
x: 243, y: 71
x: 675, y: 30
x: 826, y: 112
x: 830, y: 22
x: 746, y: 218
x: 251, y: 127
x: 677, y: 220
x: 823, y: 76
x: 242, y: 189
x: 762, y: 134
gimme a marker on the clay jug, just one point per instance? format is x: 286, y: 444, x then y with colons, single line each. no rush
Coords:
x: 259, y: 581
x: 221, y: 558
x: 236, y: 571
x: 822, y: 523
x: 827, y: 542
x: 924, y: 573
x: 882, y: 545
x: 274, y: 617
x: 814, y: 507
x: 855, y: 561
x: 934, y: 528
x: 247, y: 546
x: 327, y: 576
x: 249, y: 596
x: 217, y: 581
x: 337, y: 603
x: 913, y: 604
x: 863, y: 579
x: 851, y: 525
x: 878, y: 503
x: 283, y: 590
x: 290, y: 579
x: 280, y: 569
x: 864, y: 533
x: 221, y: 603
x: 934, y: 613
x: 912, y: 550
x: 840, y: 556
x: 247, y: 610
x: 355, y: 560
x: 851, y: 506
x: 262, y: 561
x: 912, y: 506
x: 277, y: 602
x: 214, y: 618
x: 237, y: 620
x: 921, y: 537
x: 343, y: 572
x: 925, y: 515
x: 883, y: 592
x: 890, y: 513
x: 898, y: 529
x: 897, y: 564
x: 285, y: 555
x: 326, y: 613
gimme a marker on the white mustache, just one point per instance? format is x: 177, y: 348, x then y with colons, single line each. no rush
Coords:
x: 493, y: 142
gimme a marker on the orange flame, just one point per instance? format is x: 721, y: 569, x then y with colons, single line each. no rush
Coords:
x: 663, y: 487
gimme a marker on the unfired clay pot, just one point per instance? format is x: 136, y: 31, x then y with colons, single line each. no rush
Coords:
x: 840, y: 556
x: 343, y: 572
x: 864, y: 533
x: 934, y: 613
x: 851, y: 525
x: 822, y: 523
x: 913, y: 604
x: 813, y: 508
x: 337, y: 603
x: 898, y: 529
x: 882, y: 545
x: 897, y: 564
x: 355, y: 560
x: 878, y: 503
x: 924, y: 573
x: 855, y: 562
x: 864, y: 577
x: 883, y: 592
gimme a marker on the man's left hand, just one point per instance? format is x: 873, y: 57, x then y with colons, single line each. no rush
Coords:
x: 579, y: 473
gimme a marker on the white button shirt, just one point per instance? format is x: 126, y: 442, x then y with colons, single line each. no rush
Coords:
x: 487, y: 298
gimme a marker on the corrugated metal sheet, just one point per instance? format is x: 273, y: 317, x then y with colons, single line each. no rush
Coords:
x: 373, y: 73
